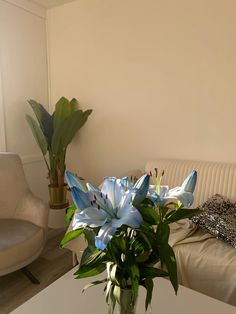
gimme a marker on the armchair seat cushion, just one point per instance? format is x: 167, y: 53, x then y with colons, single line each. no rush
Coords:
x: 20, y: 243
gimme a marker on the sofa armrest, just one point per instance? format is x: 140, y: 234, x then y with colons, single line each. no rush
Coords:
x: 33, y: 209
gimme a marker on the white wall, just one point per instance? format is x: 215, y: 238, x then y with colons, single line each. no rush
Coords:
x: 159, y: 74
x: 23, y: 70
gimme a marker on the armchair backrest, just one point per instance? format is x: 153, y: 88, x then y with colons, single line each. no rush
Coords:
x: 13, y: 184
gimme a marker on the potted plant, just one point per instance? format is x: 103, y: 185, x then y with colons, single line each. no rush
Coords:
x: 53, y: 133
x: 126, y: 226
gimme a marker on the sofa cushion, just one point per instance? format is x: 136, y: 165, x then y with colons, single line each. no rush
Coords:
x: 207, y: 265
x: 19, y: 241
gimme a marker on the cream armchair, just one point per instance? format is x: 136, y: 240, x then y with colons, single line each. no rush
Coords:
x: 23, y: 218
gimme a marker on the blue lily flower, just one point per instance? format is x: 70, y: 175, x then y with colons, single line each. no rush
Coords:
x: 74, y: 181
x: 109, y: 207
x: 162, y: 196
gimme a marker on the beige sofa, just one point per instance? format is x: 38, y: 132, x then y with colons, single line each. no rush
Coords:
x: 23, y: 217
x: 204, y: 263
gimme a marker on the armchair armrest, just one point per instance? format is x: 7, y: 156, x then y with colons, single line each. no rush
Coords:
x: 33, y: 209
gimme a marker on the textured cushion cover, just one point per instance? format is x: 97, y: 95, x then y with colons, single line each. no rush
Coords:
x: 218, y: 218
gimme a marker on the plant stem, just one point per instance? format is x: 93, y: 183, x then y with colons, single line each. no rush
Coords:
x: 46, y: 163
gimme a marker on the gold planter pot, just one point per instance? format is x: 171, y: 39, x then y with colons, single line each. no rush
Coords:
x: 58, y: 197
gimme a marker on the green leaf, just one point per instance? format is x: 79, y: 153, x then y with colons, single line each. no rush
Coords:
x: 94, y: 283
x: 38, y: 134
x: 167, y: 254
x: 182, y: 213
x: 63, y: 109
x: 111, y: 272
x: 94, y: 258
x: 135, y: 276
x: 86, y: 254
x: 163, y: 232
x: 149, y: 214
x: 44, y: 118
x: 146, y: 240
x: 66, y: 131
x: 111, y: 301
x: 87, y: 271
x: 71, y: 235
x: 70, y: 213
x: 149, y: 287
x: 90, y: 237
x: 163, y: 210
x: 74, y: 104
x: 152, y: 272
x: 94, y: 265
x: 118, y: 243
x: 168, y: 258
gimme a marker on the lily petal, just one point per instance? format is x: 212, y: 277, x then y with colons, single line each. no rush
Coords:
x: 74, y: 181
x: 126, y: 198
x: 128, y: 215
x: 163, y: 190
x: 126, y: 184
x: 112, y: 188
x: 80, y: 198
x: 100, y: 199
x: 104, y: 236
x: 190, y: 182
x: 92, y: 187
x: 90, y: 216
x: 186, y: 198
x: 141, y: 189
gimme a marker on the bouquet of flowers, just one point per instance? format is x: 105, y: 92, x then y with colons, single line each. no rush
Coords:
x: 126, y: 225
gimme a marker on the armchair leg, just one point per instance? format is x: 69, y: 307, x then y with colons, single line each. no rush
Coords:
x: 30, y: 276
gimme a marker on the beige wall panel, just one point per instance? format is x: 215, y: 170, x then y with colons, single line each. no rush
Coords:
x: 159, y: 74
x: 23, y: 66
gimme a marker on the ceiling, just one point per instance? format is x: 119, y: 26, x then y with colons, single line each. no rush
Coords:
x: 50, y: 3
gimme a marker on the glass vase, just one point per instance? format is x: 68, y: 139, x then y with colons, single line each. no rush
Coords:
x: 125, y: 304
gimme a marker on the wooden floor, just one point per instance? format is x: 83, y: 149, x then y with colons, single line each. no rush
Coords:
x: 15, y: 288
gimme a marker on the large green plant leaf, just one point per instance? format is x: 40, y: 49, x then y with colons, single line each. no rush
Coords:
x: 135, y: 276
x: 94, y: 265
x: 64, y: 133
x: 163, y: 232
x: 38, y: 134
x: 71, y: 235
x: 44, y: 118
x: 69, y: 213
x: 94, y: 283
x: 74, y: 104
x: 182, y: 213
x: 152, y: 272
x: 63, y: 109
x: 167, y: 254
x: 148, y: 284
x: 88, y: 271
x: 149, y: 214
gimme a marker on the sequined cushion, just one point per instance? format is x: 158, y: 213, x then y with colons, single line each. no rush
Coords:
x: 218, y: 218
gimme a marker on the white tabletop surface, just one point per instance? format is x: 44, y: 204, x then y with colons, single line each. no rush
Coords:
x: 64, y: 297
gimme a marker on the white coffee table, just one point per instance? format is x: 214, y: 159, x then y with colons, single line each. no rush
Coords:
x: 64, y: 297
